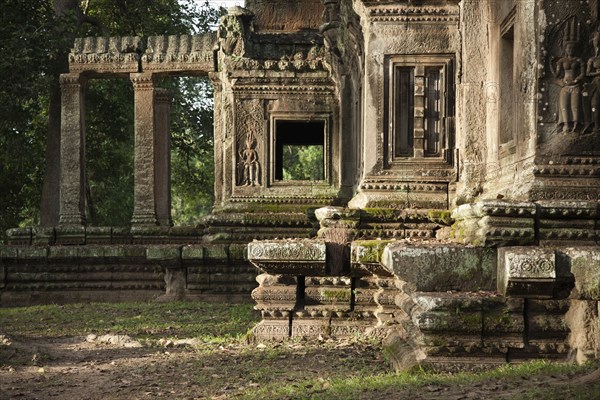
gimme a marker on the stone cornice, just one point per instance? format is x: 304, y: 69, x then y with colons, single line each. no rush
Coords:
x: 405, y: 11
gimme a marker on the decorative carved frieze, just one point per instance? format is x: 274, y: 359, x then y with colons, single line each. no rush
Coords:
x: 180, y: 53
x: 426, y: 15
x: 287, y: 250
x: 106, y: 54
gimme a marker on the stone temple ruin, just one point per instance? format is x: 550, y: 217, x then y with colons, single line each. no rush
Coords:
x: 425, y: 171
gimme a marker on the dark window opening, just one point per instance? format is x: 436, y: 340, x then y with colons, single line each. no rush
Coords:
x: 300, y: 150
x: 405, y: 112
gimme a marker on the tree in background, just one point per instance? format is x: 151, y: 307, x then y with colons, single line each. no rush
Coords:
x: 37, y: 36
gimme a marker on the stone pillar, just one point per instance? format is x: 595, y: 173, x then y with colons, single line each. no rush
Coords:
x: 162, y: 156
x: 72, y: 150
x: 419, y: 118
x: 144, y: 205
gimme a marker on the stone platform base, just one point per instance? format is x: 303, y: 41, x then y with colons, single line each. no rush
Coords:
x: 446, y: 307
x: 67, y: 274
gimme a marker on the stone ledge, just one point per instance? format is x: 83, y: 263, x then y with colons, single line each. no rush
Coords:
x: 441, y: 267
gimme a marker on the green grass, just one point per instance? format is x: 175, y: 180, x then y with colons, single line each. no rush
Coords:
x: 387, y: 384
x: 209, y: 322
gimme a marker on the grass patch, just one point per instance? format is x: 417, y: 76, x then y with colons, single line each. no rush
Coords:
x: 209, y: 322
x: 391, y: 385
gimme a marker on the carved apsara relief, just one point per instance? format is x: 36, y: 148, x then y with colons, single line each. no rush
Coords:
x: 574, y: 65
x: 249, y: 139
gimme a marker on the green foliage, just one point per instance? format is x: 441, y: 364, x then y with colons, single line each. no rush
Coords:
x: 37, y: 42
x: 409, y: 384
x: 109, y: 150
x: 30, y: 46
x: 192, y: 155
x: 156, y: 17
x: 303, y: 163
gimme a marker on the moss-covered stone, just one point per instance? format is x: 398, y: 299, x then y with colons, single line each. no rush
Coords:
x: 238, y: 252
x: 192, y: 252
x: 368, y: 251
x: 442, y: 217
x: 163, y: 253
x: 436, y: 268
x: 585, y: 267
x: 33, y: 252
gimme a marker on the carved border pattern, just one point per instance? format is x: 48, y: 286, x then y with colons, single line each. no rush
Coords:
x: 378, y: 13
x: 287, y: 250
x: 411, y: 187
x: 531, y: 266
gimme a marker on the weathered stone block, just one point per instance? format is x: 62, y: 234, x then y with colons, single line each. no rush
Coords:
x: 526, y: 272
x: 329, y: 297
x: 495, y: 223
x: 269, y: 329
x: 197, y: 277
x: 368, y: 251
x: 163, y: 253
x: 98, y: 235
x: 8, y: 252
x: 42, y: 236
x: 310, y: 327
x: 125, y: 252
x: 448, y: 321
x: 91, y: 253
x: 237, y: 252
x: 295, y: 257
x: 192, y: 253
x: 585, y: 268
x: 275, y: 297
x: 26, y: 253
x: 68, y: 235
x: 436, y: 268
x: 502, y: 316
x: 19, y: 236
x: 121, y: 235
x: 62, y: 253
x: 349, y: 327
x: 448, y: 301
x: 217, y: 253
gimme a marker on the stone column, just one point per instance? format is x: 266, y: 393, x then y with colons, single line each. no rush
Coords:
x: 162, y: 156
x: 144, y: 205
x: 419, y: 119
x: 72, y: 150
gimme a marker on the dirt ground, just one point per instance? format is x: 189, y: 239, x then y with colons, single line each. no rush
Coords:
x: 118, y: 367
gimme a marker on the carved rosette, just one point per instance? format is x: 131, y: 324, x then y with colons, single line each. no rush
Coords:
x: 526, y: 272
